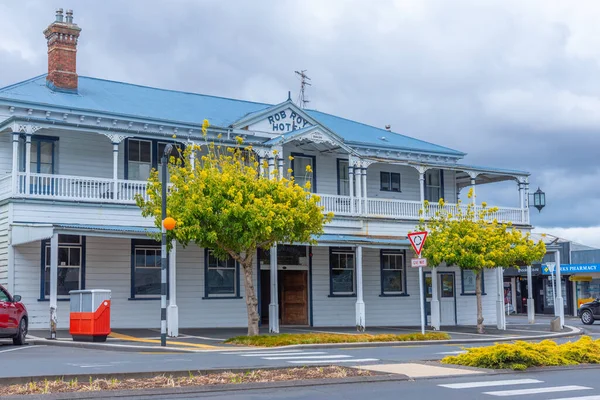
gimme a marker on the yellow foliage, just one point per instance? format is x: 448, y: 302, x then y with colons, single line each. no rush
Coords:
x: 522, y: 355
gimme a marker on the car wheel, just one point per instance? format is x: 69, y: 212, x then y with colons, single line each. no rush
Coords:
x: 587, y: 318
x: 19, y: 340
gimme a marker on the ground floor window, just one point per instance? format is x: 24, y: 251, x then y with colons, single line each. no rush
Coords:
x: 393, y: 272
x: 468, y: 282
x: 221, y: 277
x: 342, y: 271
x: 71, y: 265
x: 145, y: 268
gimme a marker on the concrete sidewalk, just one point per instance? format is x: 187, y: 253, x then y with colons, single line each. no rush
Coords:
x: 203, y: 339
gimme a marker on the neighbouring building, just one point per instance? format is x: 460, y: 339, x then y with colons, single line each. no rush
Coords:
x: 580, y: 278
x: 76, y: 150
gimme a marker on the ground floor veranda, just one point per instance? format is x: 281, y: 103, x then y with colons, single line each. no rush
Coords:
x: 342, y: 281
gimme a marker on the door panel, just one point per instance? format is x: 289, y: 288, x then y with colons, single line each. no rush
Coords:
x: 447, y: 299
x: 294, y: 301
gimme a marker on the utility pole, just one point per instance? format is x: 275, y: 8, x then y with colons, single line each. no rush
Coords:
x: 304, y: 81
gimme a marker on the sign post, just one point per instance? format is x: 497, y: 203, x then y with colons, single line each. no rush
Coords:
x: 417, y: 240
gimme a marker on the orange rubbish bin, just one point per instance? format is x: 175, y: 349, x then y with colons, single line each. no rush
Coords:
x: 90, y: 315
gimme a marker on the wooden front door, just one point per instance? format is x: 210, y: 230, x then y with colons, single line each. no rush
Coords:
x: 294, y: 299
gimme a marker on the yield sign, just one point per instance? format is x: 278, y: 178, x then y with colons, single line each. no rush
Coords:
x: 417, y: 239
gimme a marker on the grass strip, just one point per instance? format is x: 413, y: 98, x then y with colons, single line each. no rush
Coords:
x: 286, y: 339
x: 522, y: 355
x: 163, y: 381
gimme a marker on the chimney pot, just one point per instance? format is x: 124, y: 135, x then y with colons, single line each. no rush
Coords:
x: 59, y: 15
x: 69, y: 16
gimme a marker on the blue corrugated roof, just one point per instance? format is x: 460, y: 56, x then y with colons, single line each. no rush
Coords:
x: 118, y: 98
x: 359, y: 133
x: 356, y: 239
x: 108, y: 228
x: 98, y: 95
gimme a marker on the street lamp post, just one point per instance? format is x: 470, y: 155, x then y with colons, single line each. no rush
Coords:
x: 539, y: 202
x: 163, y: 248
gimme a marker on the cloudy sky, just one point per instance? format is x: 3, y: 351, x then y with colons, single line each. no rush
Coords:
x: 515, y: 84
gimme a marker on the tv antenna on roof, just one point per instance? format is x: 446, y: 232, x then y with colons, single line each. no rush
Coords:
x: 302, y: 101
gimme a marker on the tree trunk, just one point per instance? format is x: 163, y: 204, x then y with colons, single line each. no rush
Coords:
x: 251, y: 301
x: 480, y: 328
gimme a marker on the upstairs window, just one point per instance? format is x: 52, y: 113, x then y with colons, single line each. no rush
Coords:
x: 433, y: 185
x: 390, y: 182
x: 299, y: 170
x: 143, y: 155
x: 343, y: 178
x: 139, y: 159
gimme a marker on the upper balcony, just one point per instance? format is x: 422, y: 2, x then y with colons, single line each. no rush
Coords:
x: 72, y: 165
x: 102, y: 190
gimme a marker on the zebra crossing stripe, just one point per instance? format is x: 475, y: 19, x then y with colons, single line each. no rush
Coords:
x: 281, y: 354
x: 240, y: 353
x: 304, y: 357
x: 355, y: 360
x: 595, y: 397
x: 480, y: 384
x: 550, y: 389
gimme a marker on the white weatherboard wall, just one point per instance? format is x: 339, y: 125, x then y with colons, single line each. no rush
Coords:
x: 387, y: 310
x: 4, y: 245
x: 108, y: 266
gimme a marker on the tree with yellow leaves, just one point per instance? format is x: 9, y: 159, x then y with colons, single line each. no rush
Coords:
x: 471, y: 238
x: 223, y: 202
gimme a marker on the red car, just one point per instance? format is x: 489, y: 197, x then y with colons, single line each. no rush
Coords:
x: 13, y: 317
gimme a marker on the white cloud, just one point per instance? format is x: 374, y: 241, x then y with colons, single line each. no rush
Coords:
x: 589, y: 236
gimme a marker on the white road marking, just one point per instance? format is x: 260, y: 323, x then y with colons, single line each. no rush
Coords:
x: 299, y: 353
x: 20, y: 348
x: 596, y: 397
x: 357, y: 360
x: 239, y: 353
x: 96, y: 366
x: 303, y: 357
x: 551, y: 389
x: 469, y: 385
x: 452, y: 352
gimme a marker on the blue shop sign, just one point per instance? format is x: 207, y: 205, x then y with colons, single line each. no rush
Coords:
x: 573, y: 269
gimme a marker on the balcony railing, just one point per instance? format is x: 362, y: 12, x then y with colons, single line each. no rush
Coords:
x: 103, y: 190
x: 78, y: 188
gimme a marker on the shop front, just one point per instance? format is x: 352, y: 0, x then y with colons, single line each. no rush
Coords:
x: 586, y: 280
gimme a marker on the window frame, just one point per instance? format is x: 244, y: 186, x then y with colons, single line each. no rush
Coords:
x: 389, y: 181
x: 154, y: 156
x: 403, y: 271
x: 347, y: 251
x: 236, y: 280
x: 144, y: 244
x: 44, y: 263
x: 341, y: 161
x: 462, y: 284
x: 37, y: 140
x: 440, y: 186
x: 313, y: 186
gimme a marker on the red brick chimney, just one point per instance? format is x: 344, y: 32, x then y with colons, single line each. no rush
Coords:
x: 62, y: 53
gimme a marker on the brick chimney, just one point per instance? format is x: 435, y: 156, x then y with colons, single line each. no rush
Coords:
x: 62, y: 38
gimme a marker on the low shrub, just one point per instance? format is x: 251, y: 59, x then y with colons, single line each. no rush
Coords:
x: 522, y: 355
x: 286, y: 339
